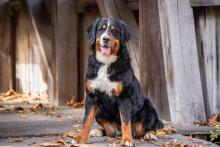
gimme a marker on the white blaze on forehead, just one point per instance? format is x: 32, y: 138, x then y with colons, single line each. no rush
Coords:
x: 105, y: 34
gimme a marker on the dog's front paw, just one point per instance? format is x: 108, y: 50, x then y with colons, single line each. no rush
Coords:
x: 150, y: 136
x: 128, y: 142
x: 81, y: 138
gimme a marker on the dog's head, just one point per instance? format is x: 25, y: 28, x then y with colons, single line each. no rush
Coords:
x: 106, y: 37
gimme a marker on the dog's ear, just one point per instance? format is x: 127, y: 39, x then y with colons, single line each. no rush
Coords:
x: 125, y: 33
x: 91, y: 31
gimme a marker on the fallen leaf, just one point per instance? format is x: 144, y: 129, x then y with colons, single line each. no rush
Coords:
x: 213, y: 121
x: 190, y: 137
x: 14, y: 140
x: 57, y: 143
x: 19, y: 108
x: 69, y: 134
x: 160, y: 133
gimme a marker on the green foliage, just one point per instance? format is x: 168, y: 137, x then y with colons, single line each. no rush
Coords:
x: 214, y: 134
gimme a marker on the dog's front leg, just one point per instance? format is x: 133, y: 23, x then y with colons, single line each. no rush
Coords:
x: 89, y: 116
x: 125, y: 115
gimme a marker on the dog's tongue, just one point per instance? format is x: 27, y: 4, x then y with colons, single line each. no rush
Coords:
x: 106, y: 50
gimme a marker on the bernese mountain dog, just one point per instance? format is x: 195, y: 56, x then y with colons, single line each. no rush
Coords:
x: 113, y: 93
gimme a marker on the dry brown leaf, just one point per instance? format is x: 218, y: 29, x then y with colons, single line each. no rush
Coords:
x: 167, y: 144
x: 19, y: 108
x: 169, y: 129
x: 69, y: 134
x: 74, y: 145
x: 213, y: 121
x: 57, y: 143
x: 14, y: 140
x: 190, y: 137
x: 10, y: 93
x: 160, y: 133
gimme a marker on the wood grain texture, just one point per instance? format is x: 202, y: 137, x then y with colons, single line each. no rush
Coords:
x: 199, y: 3
x: 5, y: 47
x: 32, y: 71
x: 118, y: 9
x: 65, y: 62
x: 152, y: 73
x: 41, y: 36
x: 181, y: 62
x: 208, y: 37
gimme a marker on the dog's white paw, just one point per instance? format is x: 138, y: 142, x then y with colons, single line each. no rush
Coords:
x: 150, y: 136
x: 96, y: 133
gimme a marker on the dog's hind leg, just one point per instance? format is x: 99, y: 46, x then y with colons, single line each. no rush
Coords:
x: 108, y: 128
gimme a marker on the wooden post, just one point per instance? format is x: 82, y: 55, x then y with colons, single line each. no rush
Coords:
x: 6, y: 79
x: 64, y: 46
x: 119, y: 10
x: 181, y: 62
x: 207, y: 21
x: 152, y: 74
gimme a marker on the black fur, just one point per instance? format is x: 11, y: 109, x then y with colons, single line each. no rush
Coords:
x: 131, y: 102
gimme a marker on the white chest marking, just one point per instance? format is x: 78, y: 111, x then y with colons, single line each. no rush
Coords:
x: 102, y: 82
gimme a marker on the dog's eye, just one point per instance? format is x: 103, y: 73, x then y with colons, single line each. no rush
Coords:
x: 104, y: 26
x: 113, y: 29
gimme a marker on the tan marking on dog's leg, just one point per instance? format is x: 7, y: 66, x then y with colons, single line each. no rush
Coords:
x: 139, y: 128
x: 110, y: 128
x: 82, y: 137
x: 89, y: 88
x: 127, y: 138
x: 117, y: 91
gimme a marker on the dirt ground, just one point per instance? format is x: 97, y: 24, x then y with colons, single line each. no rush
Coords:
x: 39, y: 125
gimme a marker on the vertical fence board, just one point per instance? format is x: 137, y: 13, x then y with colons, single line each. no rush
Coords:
x: 5, y: 47
x: 65, y: 69
x: 181, y: 62
x: 208, y: 38
x: 152, y: 73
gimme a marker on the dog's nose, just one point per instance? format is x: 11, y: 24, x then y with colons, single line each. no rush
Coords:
x: 105, y: 38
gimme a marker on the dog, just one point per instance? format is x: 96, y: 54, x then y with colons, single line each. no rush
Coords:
x: 113, y: 93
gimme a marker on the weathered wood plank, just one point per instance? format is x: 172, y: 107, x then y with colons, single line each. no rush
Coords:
x: 5, y: 47
x: 65, y: 69
x: 193, y: 130
x: 181, y: 62
x: 40, y: 51
x: 31, y: 69
x: 199, y: 3
x: 208, y: 38
x: 119, y: 10
x: 152, y: 73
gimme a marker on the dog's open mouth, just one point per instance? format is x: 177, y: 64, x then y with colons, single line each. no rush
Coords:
x: 105, y: 50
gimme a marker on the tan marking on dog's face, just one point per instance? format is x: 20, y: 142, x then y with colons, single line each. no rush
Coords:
x: 114, y: 44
